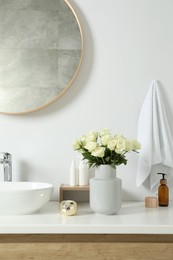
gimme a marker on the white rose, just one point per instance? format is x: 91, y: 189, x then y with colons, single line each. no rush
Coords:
x: 76, y: 145
x: 121, y: 144
x: 99, y: 152
x: 91, y: 138
x: 83, y: 140
x: 105, y: 139
x: 90, y: 146
x: 104, y: 131
x: 136, y: 145
x: 129, y: 145
x: 94, y: 133
x: 112, y: 144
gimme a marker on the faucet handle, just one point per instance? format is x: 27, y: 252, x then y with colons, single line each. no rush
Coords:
x: 5, y: 156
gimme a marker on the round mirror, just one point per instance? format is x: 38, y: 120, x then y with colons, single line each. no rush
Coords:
x: 41, y: 46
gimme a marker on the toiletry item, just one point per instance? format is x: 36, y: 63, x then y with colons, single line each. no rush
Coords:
x: 72, y: 173
x: 77, y: 176
x: 151, y: 202
x: 83, y: 173
x: 163, y: 192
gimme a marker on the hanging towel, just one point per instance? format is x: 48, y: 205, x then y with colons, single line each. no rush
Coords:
x: 154, y: 134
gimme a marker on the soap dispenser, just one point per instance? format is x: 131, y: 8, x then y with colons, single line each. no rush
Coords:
x: 163, y: 192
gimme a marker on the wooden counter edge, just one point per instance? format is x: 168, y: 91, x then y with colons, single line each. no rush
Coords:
x: 94, y: 238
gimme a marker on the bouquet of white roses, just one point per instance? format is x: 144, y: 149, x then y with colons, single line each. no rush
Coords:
x: 100, y: 148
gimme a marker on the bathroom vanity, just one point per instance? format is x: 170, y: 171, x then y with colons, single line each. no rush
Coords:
x: 135, y: 232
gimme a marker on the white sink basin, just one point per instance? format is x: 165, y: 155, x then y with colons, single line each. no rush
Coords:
x: 23, y: 197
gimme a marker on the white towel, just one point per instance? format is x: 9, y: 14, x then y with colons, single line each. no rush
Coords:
x: 154, y: 134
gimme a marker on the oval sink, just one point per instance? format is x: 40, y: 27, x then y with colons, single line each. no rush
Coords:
x: 23, y: 197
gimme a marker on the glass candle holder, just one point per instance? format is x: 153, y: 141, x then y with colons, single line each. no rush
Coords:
x: 68, y: 207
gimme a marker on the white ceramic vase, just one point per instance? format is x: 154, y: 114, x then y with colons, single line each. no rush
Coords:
x: 105, y: 191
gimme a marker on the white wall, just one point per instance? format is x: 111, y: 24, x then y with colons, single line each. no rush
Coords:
x: 128, y: 43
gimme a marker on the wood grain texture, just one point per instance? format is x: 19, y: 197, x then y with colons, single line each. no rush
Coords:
x: 69, y: 247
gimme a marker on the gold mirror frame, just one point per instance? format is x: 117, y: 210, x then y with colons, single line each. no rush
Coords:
x: 72, y: 79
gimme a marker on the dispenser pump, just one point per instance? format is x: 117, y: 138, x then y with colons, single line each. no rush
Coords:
x: 163, y: 192
x: 163, y: 180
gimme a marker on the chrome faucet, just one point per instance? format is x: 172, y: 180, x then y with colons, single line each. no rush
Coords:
x: 6, y: 159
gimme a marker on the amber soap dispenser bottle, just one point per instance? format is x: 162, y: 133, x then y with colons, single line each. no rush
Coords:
x: 163, y: 192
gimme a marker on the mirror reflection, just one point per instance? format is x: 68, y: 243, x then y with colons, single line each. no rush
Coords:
x: 40, y: 52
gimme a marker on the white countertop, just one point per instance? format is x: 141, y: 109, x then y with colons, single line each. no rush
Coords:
x: 133, y: 218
